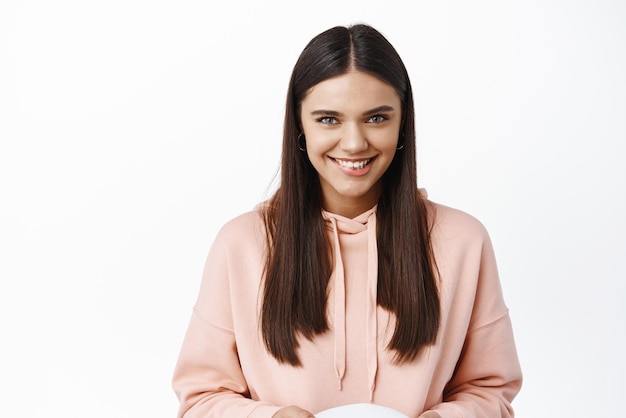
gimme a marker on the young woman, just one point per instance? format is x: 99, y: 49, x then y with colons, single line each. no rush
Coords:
x: 349, y: 285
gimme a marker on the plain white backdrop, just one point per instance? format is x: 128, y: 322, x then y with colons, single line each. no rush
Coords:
x: 131, y: 130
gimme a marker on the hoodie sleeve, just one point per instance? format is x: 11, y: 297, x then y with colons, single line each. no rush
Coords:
x: 488, y: 375
x: 208, y: 379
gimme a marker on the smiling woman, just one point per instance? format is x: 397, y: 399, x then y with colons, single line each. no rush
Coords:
x: 351, y: 286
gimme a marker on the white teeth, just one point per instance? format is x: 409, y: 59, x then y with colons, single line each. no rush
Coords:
x: 355, y: 165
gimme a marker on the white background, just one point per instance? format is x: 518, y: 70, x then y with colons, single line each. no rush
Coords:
x: 132, y: 130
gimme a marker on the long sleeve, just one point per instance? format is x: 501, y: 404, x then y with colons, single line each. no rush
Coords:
x: 208, y: 379
x: 487, y: 378
x: 487, y: 375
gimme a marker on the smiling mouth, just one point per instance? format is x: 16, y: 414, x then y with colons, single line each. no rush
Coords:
x: 354, y: 165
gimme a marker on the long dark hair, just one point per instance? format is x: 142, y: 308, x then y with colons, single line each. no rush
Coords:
x: 298, y: 264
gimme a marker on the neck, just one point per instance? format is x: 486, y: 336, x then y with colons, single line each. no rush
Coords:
x: 351, y: 207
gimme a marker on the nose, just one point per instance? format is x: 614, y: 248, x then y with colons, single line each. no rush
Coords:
x: 353, y: 139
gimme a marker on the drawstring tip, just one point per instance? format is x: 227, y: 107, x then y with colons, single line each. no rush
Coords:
x: 340, y: 386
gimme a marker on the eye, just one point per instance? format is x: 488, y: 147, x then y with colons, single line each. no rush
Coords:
x: 377, y: 119
x: 327, y: 120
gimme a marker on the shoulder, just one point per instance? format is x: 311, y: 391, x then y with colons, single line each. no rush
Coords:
x: 245, y: 227
x: 449, y: 222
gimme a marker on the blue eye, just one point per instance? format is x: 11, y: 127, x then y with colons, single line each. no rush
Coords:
x: 327, y: 120
x: 377, y: 119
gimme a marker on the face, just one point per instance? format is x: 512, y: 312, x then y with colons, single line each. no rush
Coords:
x: 351, y: 124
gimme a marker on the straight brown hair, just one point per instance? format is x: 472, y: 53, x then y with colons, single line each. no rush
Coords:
x: 298, y: 264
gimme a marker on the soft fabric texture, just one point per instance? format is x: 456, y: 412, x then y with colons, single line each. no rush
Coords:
x: 472, y: 371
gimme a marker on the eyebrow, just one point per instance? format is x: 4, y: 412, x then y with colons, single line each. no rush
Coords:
x: 379, y: 109
x: 383, y: 108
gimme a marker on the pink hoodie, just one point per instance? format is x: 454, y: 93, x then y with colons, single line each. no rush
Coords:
x: 472, y: 371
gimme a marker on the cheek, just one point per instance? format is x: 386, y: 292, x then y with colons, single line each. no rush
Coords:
x: 319, y: 142
x: 385, y: 142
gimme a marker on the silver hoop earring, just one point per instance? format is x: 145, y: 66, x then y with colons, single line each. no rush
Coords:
x: 301, y: 142
x: 401, y: 141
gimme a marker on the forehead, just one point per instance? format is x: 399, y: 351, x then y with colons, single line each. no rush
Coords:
x: 351, y: 91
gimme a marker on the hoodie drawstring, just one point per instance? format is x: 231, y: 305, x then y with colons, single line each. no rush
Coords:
x: 372, y: 317
x: 340, y: 309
